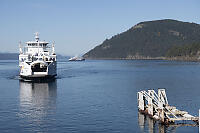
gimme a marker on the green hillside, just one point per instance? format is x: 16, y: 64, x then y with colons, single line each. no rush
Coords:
x: 149, y: 39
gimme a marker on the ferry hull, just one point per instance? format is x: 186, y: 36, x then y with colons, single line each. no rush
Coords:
x: 30, y: 72
x: 38, y: 78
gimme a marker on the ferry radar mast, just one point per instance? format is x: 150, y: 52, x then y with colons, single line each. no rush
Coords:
x: 37, y: 36
x: 53, y: 48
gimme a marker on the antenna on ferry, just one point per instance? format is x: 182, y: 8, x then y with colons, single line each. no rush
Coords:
x: 37, y: 36
x: 20, y: 48
x: 53, y: 48
x: 37, y: 40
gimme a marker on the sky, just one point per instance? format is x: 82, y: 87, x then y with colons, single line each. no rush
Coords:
x: 77, y: 26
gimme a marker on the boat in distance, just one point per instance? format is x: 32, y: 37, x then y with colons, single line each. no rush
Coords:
x: 76, y: 58
x: 37, y: 60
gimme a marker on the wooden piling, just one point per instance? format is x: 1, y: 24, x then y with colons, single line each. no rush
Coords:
x: 150, y: 102
x: 141, y: 101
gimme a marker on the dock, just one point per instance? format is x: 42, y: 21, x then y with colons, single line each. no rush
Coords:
x: 156, y: 106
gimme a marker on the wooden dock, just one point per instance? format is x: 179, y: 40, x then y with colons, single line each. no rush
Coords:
x: 156, y: 106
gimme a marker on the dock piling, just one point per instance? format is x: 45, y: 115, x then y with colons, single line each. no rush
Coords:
x: 150, y: 102
x: 140, y: 101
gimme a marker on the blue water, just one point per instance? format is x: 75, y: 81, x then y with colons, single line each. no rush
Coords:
x: 96, y: 96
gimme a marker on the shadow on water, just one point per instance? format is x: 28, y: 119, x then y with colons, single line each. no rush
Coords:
x: 37, y: 103
x: 147, y: 124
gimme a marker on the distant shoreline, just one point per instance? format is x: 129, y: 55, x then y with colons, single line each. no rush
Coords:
x: 187, y: 59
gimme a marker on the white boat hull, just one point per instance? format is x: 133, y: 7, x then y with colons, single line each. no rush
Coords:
x: 28, y: 71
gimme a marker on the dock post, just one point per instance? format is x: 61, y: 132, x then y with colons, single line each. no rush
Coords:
x: 161, y: 114
x: 150, y: 102
x: 140, y: 101
x: 199, y: 120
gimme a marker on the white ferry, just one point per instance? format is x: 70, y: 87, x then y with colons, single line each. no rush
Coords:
x: 37, y: 60
x: 76, y: 58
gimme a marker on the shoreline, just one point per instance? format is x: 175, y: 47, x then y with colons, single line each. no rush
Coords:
x: 186, y: 59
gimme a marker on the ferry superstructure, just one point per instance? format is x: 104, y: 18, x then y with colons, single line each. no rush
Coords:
x: 37, y: 60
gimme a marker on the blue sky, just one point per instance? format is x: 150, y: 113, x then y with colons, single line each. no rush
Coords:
x: 77, y: 26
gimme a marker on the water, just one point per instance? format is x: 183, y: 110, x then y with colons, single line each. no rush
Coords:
x: 96, y: 96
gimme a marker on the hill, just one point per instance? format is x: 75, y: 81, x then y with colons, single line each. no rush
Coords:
x: 146, y: 40
x: 9, y: 56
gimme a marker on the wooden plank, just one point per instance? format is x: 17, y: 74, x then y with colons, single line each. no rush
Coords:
x: 184, y: 119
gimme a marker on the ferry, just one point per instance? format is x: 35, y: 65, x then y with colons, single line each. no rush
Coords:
x: 76, y: 58
x: 37, y: 60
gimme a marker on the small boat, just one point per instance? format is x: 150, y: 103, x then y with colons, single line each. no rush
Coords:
x: 76, y: 58
x: 37, y: 61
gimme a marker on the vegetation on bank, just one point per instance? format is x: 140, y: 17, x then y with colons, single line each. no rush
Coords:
x: 189, y: 50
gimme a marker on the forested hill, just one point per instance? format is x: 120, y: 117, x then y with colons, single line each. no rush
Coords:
x: 149, y: 39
